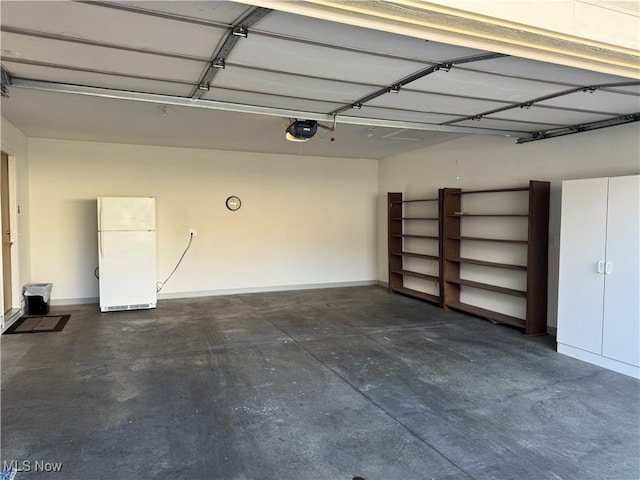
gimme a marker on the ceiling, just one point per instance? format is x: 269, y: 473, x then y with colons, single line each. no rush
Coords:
x: 231, y: 76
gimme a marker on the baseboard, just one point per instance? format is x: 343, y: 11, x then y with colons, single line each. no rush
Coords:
x: 278, y: 288
x: 604, y: 362
x: 226, y: 291
x: 382, y: 283
x: 73, y: 301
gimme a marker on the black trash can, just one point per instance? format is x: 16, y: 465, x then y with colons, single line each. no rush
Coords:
x: 37, y: 296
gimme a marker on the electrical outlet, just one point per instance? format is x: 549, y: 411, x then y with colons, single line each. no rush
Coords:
x: 193, y: 232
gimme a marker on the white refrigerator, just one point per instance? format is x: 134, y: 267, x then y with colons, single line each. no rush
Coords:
x: 127, y: 253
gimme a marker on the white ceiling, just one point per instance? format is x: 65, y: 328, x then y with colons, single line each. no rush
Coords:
x: 287, y: 62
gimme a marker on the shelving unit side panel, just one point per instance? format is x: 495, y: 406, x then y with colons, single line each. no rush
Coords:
x: 394, y: 244
x: 537, y: 258
x: 449, y: 227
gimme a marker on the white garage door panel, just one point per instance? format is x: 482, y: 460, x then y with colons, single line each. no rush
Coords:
x: 100, y: 58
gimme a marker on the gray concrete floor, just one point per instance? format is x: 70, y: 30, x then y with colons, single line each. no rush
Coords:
x: 318, y: 384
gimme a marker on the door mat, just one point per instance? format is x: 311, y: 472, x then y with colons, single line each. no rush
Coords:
x: 48, y: 323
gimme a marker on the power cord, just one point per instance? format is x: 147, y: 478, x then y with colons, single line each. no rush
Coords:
x: 161, y: 285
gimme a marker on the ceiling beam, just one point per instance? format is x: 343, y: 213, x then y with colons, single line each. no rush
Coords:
x: 252, y: 109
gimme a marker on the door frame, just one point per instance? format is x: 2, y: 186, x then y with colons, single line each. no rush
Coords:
x: 16, y: 290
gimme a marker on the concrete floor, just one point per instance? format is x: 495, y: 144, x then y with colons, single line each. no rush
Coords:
x: 316, y: 385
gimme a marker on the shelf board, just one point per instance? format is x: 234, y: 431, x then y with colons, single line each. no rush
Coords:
x: 409, y: 273
x: 490, y: 215
x: 494, y: 190
x: 417, y: 255
x: 473, y: 261
x: 433, y: 237
x: 417, y: 294
x: 484, y: 239
x: 417, y: 200
x: 488, y: 286
x: 490, y: 314
x: 415, y: 218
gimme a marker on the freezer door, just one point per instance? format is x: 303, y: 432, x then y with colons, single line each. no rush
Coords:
x: 127, y: 270
x: 126, y: 213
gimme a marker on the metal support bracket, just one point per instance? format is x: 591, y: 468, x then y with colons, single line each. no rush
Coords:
x: 6, y: 80
x: 240, y: 29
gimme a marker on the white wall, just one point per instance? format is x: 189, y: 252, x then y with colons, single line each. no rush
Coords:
x: 14, y: 144
x: 303, y: 221
x: 611, y: 22
x: 481, y: 162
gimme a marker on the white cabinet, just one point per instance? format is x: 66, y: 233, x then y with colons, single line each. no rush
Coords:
x: 599, y: 282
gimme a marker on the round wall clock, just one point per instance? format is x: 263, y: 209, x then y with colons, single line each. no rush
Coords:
x: 233, y: 203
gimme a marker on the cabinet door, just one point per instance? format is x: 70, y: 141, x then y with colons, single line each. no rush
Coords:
x: 583, y: 225
x: 621, y: 332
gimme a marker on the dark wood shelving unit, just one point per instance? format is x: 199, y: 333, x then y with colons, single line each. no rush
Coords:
x: 396, y: 235
x: 535, y: 295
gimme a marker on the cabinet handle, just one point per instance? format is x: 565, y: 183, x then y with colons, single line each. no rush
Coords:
x: 607, y: 268
x: 600, y: 267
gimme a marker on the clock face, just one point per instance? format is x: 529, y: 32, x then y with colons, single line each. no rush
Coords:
x: 233, y: 203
